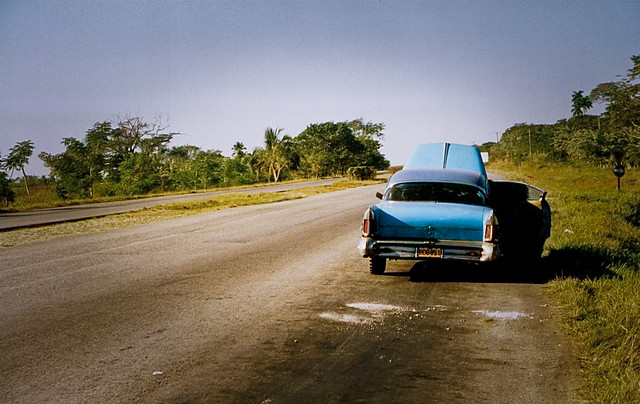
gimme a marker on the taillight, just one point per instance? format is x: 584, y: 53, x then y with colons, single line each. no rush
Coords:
x: 367, y: 223
x: 490, y: 228
x: 365, y: 227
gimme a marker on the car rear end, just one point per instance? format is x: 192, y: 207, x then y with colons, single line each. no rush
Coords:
x: 429, y: 230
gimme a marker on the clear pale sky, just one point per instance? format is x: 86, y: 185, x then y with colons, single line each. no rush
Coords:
x: 222, y: 72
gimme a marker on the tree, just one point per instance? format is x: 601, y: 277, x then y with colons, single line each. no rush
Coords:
x: 18, y: 158
x: 82, y: 164
x: 6, y: 192
x: 192, y: 168
x: 209, y: 166
x: 94, y: 152
x: 331, y: 148
x: 622, y: 98
x: 140, y: 174
x: 134, y: 135
x: 239, y: 151
x: 370, y: 135
x: 131, y: 158
x: 71, y: 169
x: 236, y: 171
x: 524, y: 141
x: 581, y: 103
x: 589, y: 138
x: 315, y: 146
x: 179, y: 163
x: 277, y: 152
x: 257, y: 166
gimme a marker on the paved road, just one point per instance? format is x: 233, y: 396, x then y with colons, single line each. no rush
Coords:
x: 268, y: 304
x: 41, y: 217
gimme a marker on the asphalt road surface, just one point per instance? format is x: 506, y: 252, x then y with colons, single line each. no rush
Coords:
x: 269, y: 304
x: 40, y: 217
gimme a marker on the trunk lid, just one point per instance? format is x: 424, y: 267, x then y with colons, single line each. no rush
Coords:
x: 430, y: 221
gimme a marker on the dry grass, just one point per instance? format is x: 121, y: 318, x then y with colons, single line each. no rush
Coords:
x: 166, y: 212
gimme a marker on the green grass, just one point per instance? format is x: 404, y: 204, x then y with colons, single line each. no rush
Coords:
x: 594, y: 252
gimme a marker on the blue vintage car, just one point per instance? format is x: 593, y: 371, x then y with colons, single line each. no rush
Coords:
x: 442, y: 206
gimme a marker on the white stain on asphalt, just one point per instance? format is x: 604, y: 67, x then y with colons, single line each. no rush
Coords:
x: 503, y: 315
x: 375, y: 307
x: 346, y: 318
x: 375, y: 311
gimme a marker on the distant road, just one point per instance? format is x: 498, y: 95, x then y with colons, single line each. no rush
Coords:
x: 41, y: 217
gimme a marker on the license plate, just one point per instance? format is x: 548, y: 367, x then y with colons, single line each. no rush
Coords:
x: 428, y: 252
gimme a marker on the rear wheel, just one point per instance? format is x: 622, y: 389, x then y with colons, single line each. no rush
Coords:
x: 377, y: 265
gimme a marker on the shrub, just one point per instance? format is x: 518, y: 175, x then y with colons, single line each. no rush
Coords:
x: 362, y: 173
x: 6, y: 192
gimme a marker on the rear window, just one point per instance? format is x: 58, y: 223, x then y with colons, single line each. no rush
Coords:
x: 436, y: 192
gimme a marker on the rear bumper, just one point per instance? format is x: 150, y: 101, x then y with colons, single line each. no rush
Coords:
x: 473, y: 251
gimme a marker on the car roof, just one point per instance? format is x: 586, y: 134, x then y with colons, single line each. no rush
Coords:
x: 438, y: 175
x: 446, y: 156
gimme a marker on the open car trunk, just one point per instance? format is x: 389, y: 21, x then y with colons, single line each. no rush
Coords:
x: 524, y: 217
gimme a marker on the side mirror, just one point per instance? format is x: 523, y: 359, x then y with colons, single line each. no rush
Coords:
x: 379, y: 195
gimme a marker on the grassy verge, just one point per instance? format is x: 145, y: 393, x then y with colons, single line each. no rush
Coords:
x: 43, y: 197
x: 167, y: 212
x: 594, y: 252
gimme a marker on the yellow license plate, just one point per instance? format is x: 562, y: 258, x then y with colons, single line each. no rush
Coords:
x: 428, y: 252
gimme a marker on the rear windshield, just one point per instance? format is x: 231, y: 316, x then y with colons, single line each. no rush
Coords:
x: 435, y: 192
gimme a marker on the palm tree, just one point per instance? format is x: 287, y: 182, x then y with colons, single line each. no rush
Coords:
x: 18, y: 158
x: 581, y: 103
x: 239, y: 150
x: 275, y: 154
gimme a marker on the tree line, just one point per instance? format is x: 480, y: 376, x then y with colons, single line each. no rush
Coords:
x: 595, y: 139
x: 130, y: 156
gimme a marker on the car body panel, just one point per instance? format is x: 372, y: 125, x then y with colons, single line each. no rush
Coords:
x: 430, y: 220
x: 446, y: 156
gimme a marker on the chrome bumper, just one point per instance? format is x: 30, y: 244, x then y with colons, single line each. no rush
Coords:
x: 475, y: 251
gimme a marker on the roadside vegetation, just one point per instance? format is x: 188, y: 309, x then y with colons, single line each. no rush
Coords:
x: 593, y: 262
x: 592, y: 259
x: 169, y: 211
x: 131, y: 157
x: 600, y: 140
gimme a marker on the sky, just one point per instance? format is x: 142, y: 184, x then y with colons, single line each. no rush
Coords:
x: 221, y: 72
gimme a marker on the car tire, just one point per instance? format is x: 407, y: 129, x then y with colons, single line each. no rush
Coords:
x: 377, y: 265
